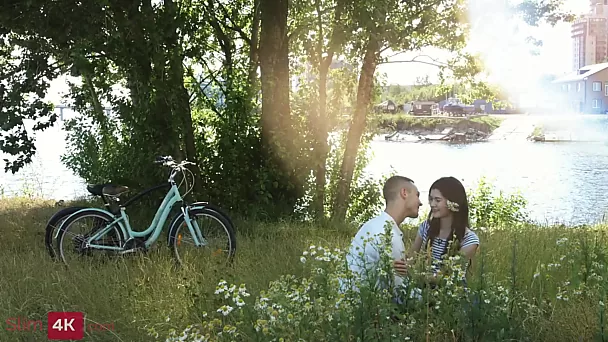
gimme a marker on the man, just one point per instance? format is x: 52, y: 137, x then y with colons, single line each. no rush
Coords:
x: 402, y: 200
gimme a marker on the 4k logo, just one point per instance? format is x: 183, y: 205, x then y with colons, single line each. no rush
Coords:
x: 65, y: 326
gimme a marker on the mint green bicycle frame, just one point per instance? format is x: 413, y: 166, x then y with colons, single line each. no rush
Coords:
x: 173, y: 196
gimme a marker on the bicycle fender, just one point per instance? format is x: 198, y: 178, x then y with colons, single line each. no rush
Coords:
x: 207, y: 205
x: 102, y: 211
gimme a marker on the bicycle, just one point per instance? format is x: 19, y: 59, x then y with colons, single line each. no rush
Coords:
x: 98, y: 190
x: 117, y: 228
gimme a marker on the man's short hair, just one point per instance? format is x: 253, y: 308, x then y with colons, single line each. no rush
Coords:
x: 393, y: 185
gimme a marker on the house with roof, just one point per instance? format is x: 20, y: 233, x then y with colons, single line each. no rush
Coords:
x: 584, y: 91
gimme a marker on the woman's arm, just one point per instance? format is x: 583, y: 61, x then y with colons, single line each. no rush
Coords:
x: 469, y: 251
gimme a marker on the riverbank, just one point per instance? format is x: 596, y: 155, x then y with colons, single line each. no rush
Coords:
x: 539, y: 283
x: 460, y: 129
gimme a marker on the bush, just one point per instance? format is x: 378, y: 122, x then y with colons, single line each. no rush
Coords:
x: 496, y: 211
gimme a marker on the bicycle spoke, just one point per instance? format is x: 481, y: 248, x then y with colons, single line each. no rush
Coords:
x: 72, y: 242
x: 216, y: 245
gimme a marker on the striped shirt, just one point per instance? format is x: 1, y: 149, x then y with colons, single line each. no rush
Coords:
x: 439, y: 245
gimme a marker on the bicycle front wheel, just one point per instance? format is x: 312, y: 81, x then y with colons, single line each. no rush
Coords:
x: 212, y: 230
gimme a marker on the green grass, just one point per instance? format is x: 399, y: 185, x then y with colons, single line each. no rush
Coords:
x: 409, y: 122
x: 537, y: 132
x: 138, y: 291
x: 492, y: 121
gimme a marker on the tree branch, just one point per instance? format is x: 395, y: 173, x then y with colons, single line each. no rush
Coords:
x: 234, y: 26
x: 414, y: 61
x: 306, y: 25
x: 200, y: 86
x: 435, y: 61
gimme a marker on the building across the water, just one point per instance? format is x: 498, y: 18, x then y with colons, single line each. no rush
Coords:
x: 590, y: 36
x: 584, y: 91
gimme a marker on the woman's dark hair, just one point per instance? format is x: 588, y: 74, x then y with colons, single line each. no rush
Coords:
x: 453, y: 191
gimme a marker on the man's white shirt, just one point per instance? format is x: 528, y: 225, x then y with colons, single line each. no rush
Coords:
x: 367, y: 241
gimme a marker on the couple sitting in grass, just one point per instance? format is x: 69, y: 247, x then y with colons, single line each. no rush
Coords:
x: 444, y: 233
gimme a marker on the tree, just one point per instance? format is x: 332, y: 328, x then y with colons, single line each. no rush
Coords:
x: 399, y: 26
x: 409, y: 26
x: 141, y: 41
x: 325, y: 22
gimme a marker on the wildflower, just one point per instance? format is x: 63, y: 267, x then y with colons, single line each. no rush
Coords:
x: 303, y: 260
x: 225, y: 310
x: 243, y: 291
x: 561, y: 241
x: 229, y: 329
x: 239, y: 302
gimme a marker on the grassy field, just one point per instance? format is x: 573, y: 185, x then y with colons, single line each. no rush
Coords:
x: 539, y: 284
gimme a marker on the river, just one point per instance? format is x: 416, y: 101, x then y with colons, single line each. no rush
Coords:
x: 562, y: 181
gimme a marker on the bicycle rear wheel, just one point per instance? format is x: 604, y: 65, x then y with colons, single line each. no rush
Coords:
x: 54, y: 222
x: 75, y: 230
x: 219, y: 240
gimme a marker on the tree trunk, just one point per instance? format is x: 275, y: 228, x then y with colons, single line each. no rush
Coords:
x: 277, y: 130
x: 274, y: 64
x: 179, y: 97
x: 254, y: 48
x: 322, y: 121
x: 356, y: 129
x: 321, y: 147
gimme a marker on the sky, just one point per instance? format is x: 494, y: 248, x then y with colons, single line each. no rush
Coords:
x: 501, y: 41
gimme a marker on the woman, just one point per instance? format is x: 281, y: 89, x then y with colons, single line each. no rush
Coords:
x: 447, y: 226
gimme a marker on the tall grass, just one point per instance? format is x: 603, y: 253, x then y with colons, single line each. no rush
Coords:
x: 530, y: 282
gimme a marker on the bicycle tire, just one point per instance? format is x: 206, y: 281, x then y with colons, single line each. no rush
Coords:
x: 179, y: 221
x: 218, y: 209
x: 53, y: 223
x: 92, y: 212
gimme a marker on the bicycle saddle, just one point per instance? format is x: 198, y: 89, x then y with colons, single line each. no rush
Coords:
x: 114, y: 190
x: 107, y: 189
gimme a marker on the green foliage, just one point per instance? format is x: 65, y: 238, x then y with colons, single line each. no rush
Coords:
x: 181, y: 79
x: 409, y: 122
x: 23, y: 82
x: 488, y: 209
x: 467, y: 90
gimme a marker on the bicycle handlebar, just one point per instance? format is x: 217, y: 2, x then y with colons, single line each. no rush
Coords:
x: 169, y: 161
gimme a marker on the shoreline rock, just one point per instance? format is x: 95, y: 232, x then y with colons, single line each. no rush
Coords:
x: 463, y: 131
